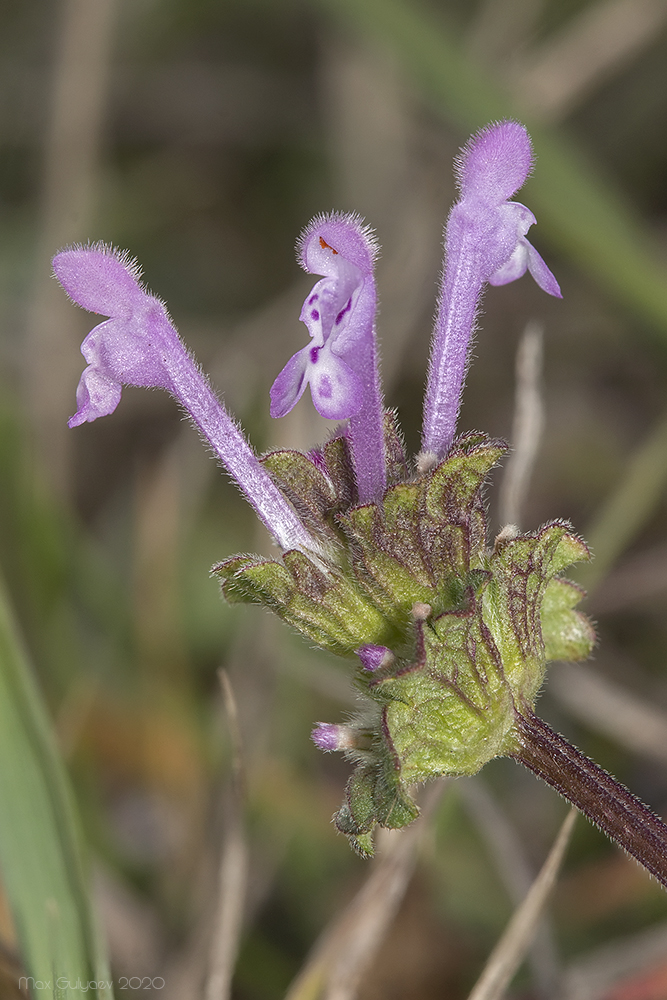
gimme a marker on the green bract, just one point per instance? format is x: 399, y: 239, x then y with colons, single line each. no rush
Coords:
x: 471, y: 628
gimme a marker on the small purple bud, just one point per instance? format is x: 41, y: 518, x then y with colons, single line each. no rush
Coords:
x: 329, y: 736
x: 139, y: 345
x: 485, y: 242
x: 375, y: 657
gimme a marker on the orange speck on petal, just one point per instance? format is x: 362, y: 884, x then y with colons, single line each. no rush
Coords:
x: 326, y: 246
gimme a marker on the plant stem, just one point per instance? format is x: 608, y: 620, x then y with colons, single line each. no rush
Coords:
x: 603, y: 799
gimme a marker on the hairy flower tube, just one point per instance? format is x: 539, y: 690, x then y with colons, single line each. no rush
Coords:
x: 386, y: 561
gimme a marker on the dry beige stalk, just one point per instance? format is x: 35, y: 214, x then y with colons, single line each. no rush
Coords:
x: 511, y: 949
x: 549, y: 82
x: 528, y: 425
x: 233, y: 874
x: 507, y: 852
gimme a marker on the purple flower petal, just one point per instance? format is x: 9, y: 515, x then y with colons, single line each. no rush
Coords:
x: 100, y: 278
x: 524, y: 256
x: 513, y: 268
x: 340, y: 363
x: 96, y: 396
x: 330, y: 315
x: 289, y: 387
x: 495, y: 163
x: 337, y: 392
x: 329, y: 236
x: 541, y: 272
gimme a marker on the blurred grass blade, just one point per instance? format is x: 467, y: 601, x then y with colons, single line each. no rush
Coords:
x: 40, y: 850
x: 508, y: 954
x: 628, y: 507
x: 578, y: 209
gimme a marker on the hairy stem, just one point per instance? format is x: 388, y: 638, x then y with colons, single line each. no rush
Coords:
x: 603, y: 799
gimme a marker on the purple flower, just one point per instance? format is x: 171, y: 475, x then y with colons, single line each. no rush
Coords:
x: 138, y: 345
x: 485, y: 242
x: 340, y: 363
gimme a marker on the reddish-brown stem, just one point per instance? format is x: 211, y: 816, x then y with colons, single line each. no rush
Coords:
x: 606, y: 802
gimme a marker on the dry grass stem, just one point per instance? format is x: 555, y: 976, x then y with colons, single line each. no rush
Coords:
x: 527, y: 427
x: 506, y: 850
x: 594, y: 45
x: 233, y: 873
x: 611, y: 709
x: 231, y: 709
x: 508, y: 954
x: 347, y: 947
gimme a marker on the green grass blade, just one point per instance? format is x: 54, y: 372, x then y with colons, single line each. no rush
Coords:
x: 578, y: 209
x: 40, y: 847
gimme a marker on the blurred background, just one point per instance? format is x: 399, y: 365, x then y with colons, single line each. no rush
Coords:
x: 202, y: 135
